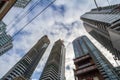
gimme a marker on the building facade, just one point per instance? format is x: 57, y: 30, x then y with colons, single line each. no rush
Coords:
x: 5, y: 39
x: 55, y: 66
x: 26, y: 66
x: 5, y: 6
x: 22, y: 3
x: 117, y: 69
x: 90, y: 63
x: 86, y: 69
x: 103, y: 24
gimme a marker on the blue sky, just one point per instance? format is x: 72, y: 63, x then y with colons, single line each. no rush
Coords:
x: 61, y: 20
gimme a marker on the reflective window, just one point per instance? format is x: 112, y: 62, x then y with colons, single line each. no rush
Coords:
x: 85, y: 49
x: 76, y: 50
x: 90, y: 45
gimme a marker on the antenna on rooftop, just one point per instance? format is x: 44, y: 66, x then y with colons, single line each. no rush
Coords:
x: 96, y: 4
x: 108, y: 2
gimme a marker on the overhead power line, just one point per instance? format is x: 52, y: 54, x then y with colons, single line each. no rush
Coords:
x: 33, y: 19
x: 21, y: 12
x: 20, y: 18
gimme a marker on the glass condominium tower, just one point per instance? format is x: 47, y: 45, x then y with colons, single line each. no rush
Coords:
x: 88, y: 59
x: 5, y: 39
x: 55, y: 65
x: 103, y: 23
x: 26, y: 66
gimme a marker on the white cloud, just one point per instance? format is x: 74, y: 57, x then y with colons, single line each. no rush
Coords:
x: 7, y: 61
x: 68, y: 28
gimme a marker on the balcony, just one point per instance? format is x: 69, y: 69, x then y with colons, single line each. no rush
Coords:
x: 85, y: 70
x: 85, y: 65
x: 81, y: 58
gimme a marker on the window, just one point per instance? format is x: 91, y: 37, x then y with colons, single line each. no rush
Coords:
x: 90, y: 45
x: 85, y: 49
x: 76, y: 51
x: 45, y: 45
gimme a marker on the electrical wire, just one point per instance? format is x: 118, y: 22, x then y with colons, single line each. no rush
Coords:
x: 23, y: 16
x: 21, y: 12
x: 33, y: 19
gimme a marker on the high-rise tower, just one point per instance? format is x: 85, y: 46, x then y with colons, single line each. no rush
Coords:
x: 5, y: 40
x: 55, y: 66
x: 90, y: 63
x: 103, y: 25
x: 28, y: 63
